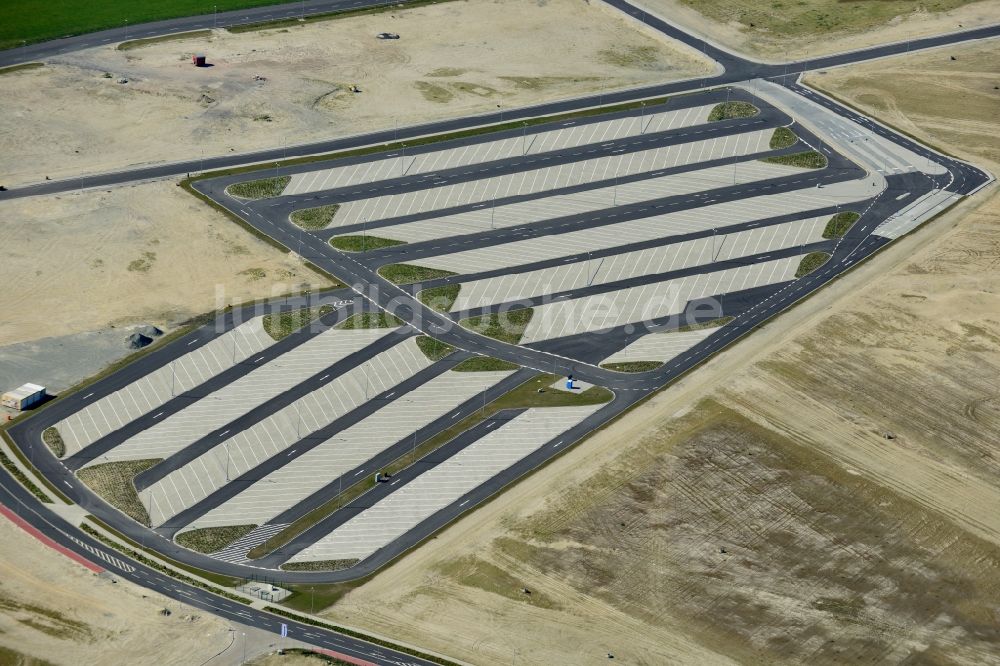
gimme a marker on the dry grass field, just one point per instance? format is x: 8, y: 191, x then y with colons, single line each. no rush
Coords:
x: 757, y: 512
x: 791, y: 29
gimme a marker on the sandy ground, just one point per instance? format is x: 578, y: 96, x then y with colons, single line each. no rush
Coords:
x: 808, y: 28
x: 839, y: 544
x: 145, y: 253
x: 58, y: 611
x: 453, y: 59
x: 960, y: 117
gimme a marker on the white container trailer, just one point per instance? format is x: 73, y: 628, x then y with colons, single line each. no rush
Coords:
x: 23, y: 397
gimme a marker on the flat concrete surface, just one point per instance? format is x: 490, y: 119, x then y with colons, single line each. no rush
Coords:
x: 497, y: 449
x: 264, y: 382
x: 349, y: 449
x: 149, y: 392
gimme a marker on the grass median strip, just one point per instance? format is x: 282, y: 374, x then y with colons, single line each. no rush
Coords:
x: 433, y: 349
x: 632, y: 366
x: 505, y: 326
x: 21, y: 68
x: 410, y: 273
x: 262, y: 188
x: 211, y: 539
x: 114, y: 483
x: 362, y: 243
x: 484, y: 364
x: 54, y: 441
x: 440, y: 298
x: 23, y: 479
x: 316, y: 218
x: 840, y: 224
x: 782, y: 138
x: 731, y: 110
x: 320, y: 565
x: 177, y: 36
x: 282, y: 324
x: 371, y: 320
x: 811, y: 262
x: 808, y: 159
x: 698, y: 326
x: 524, y: 396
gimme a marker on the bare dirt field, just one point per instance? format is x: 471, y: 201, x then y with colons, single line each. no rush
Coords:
x: 780, y: 30
x: 961, y: 114
x: 452, y: 59
x: 58, y: 612
x: 756, y: 512
x: 145, y: 253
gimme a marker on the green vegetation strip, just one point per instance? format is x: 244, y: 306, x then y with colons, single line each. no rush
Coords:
x: 263, y: 188
x: 435, y: 350
x: 484, y: 364
x: 809, y: 159
x: 730, y: 110
x: 281, y: 325
x: 23, y: 479
x: 27, y: 481
x: 714, y: 323
x: 524, y: 396
x: 54, y: 441
x: 312, y: 219
x: 409, y: 273
x: 840, y: 224
x: 114, y: 483
x: 153, y: 564
x: 504, y: 326
x: 211, y: 539
x: 782, y: 138
x: 20, y: 68
x: 315, y: 656
x: 811, y: 262
x: 632, y: 366
x: 440, y: 298
x: 320, y: 565
x: 137, y: 43
x: 357, y: 634
x: 371, y: 320
x: 362, y: 243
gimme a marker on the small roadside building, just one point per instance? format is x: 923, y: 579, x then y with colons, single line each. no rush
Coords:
x: 23, y: 397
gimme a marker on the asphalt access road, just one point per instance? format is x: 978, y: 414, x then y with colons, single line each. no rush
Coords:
x: 207, y: 21
x: 736, y: 69
x: 74, y: 539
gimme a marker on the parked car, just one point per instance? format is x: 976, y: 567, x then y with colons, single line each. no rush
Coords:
x: 388, y: 35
